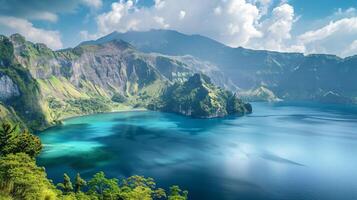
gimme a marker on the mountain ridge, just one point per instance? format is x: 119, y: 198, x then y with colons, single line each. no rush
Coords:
x: 86, y: 79
x: 251, y: 69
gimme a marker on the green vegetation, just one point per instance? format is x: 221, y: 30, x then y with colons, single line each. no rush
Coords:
x: 198, y: 97
x: 119, y: 98
x: 21, y: 178
x: 54, y: 85
x: 88, y: 106
x: 6, y: 51
x: 13, y: 141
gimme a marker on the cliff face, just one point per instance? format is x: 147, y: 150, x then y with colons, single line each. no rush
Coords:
x: 86, y: 79
x: 289, y: 76
x: 20, y: 91
x: 198, y: 97
x: 8, y: 89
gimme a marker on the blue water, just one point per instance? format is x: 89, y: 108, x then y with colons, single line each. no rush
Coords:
x: 281, y: 151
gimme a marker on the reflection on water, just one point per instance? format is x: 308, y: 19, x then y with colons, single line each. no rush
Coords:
x: 281, y: 151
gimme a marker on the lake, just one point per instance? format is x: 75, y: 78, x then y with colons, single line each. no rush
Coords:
x: 281, y: 151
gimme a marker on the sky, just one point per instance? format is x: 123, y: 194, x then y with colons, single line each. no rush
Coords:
x: 307, y: 26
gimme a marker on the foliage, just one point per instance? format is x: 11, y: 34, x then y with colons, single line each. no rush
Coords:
x: 20, y: 178
x: 177, y: 194
x: 88, y: 106
x: 7, y: 133
x: 79, y: 183
x: 6, y: 51
x: 66, y: 186
x: 103, y: 188
x: 138, y: 187
x: 14, y: 141
x: 119, y: 98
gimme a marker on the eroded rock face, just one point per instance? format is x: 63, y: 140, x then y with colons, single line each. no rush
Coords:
x: 8, y: 88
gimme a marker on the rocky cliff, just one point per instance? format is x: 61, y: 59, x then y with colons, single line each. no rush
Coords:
x: 45, y: 86
x: 288, y: 76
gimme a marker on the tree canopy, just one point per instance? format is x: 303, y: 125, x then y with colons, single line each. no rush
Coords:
x: 21, y: 178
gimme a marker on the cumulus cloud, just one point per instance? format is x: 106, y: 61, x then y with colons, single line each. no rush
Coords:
x: 277, y: 31
x: 50, y: 38
x: 335, y: 38
x: 231, y: 21
x: 258, y: 24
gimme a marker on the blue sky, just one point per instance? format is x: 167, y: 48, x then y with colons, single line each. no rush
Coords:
x: 318, y: 26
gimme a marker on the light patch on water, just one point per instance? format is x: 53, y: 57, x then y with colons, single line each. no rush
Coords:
x: 56, y: 150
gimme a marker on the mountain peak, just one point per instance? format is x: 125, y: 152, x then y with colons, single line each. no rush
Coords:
x: 18, y: 38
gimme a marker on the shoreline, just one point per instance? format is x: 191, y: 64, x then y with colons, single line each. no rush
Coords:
x: 109, y: 112
x: 62, y: 120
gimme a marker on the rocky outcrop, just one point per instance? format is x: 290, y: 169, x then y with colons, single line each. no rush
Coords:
x: 198, y: 97
x: 8, y: 89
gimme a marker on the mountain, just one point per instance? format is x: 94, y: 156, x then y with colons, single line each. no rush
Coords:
x: 198, y: 97
x: 289, y: 76
x: 40, y: 87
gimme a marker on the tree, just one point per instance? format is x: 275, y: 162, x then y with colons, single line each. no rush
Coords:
x: 27, y: 143
x: 79, y: 183
x: 7, y: 133
x: 140, y: 188
x: 103, y: 188
x: 12, y: 141
x: 177, y: 194
x: 66, y: 186
x: 20, y: 178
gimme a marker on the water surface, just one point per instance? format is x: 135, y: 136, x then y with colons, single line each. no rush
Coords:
x: 281, y: 151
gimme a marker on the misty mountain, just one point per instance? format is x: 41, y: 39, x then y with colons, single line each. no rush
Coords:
x: 291, y: 76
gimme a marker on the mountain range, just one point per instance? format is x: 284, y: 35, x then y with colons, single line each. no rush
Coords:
x: 40, y: 87
x: 161, y: 70
x: 258, y: 74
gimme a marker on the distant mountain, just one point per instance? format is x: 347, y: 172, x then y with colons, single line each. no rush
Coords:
x: 290, y: 76
x: 40, y: 87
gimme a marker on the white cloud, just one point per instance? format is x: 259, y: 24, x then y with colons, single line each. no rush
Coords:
x: 249, y: 23
x: 233, y: 22
x: 182, y: 14
x: 351, y: 50
x: 277, y: 31
x: 85, y: 35
x: 349, y: 12
x: 93, y: 3
x: 50, y: 38
x: 334, y: 38
x: 217, y: 10
x: 263, y: 5
x: 47, y: 16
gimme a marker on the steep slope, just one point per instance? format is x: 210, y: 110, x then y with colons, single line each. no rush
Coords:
x: 198, y: 97
x: 290, y: 76
x: 247, y: 68
x: 46, y: 86
x: 18, y: 89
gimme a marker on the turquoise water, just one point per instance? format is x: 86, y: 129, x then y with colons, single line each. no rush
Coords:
x: 281, y: 151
